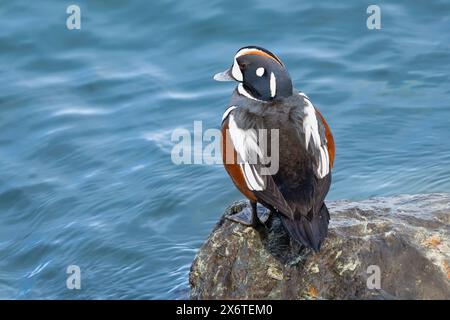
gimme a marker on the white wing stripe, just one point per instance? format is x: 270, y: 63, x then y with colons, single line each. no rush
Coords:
x: 251, y: 178
x: 257, y: 176
x: 327, y: 159
x: 311, y: 130
x: 246, y: 146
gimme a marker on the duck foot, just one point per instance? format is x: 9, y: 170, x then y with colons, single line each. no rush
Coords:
x: 263, y: 213
x: 248, y: 217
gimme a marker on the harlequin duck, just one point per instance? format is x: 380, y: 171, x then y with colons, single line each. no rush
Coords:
x: 303, y: 153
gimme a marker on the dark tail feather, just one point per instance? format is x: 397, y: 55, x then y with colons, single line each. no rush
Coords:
x: 309, y: 233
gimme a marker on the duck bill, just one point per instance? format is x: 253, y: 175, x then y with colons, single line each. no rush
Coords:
x: 224, y: 76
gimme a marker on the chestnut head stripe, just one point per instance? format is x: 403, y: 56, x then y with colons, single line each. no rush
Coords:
x: 246, y: 51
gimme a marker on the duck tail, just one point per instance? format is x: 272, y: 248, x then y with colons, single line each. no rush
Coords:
x: 309, y: 232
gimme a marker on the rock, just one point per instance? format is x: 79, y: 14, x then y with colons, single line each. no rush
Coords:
x: 404, y: 240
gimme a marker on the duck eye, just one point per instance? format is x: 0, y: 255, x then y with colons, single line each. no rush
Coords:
x: 243, y: 66
x: 260, y: 72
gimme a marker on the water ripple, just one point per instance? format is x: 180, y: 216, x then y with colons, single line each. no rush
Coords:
x: 86, y: 120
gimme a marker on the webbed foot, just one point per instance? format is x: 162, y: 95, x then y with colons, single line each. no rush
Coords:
x: 248, y: 217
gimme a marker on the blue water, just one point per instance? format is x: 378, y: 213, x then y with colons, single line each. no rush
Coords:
x: 86, y: 117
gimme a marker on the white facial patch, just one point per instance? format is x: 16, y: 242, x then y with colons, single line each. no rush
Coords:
x: 273, y: 85
x: 260, y: 72
x: 236, y: 71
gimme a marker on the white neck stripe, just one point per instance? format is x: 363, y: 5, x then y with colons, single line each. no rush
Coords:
x: 227, y: 112
x: 245, y: 93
